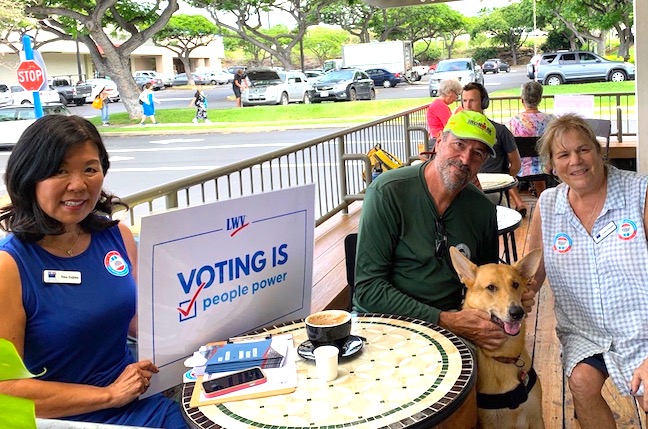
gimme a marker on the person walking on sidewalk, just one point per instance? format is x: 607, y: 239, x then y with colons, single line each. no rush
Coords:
x: 200, y: 101
x: 147, y: 100
x: 103, y: 96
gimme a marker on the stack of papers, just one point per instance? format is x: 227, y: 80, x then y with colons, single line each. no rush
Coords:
x: 281, y: 374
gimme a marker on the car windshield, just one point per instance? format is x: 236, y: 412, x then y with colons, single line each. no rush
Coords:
x: 453, y: 66
x: 336, y: 75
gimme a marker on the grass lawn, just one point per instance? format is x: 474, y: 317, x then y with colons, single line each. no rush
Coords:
x: 327, y: 113
x: 293, y: 114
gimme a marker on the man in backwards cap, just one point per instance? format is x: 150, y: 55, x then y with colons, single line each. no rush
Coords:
x: 410, y: 218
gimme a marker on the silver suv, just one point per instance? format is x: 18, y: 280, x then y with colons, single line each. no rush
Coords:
x: 465, y: 70
x: 555, y: 68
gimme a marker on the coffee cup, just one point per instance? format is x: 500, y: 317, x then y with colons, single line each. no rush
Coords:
x: 329, y: 327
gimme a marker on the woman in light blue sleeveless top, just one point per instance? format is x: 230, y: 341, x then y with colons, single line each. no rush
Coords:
x: 592, y: 229
x: 68, y: 283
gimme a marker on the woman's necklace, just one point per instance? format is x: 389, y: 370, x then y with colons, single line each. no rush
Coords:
x: 598, y: 199
x: 69, y: 251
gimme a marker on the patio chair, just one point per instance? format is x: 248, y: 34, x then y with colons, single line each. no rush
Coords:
x: 527, y: 148
x: 602, y: 128
x: 350, y: 244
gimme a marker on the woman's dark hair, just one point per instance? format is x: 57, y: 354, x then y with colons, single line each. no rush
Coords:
x: 37, y: 156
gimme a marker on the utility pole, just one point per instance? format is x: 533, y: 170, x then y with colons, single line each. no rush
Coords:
x: 535, y: 29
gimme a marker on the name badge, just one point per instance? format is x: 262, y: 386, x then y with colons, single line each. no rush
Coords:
x: 604, y: 232
x: 62, y: 277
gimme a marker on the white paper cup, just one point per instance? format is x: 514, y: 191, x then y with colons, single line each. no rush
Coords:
x: 326, y: 362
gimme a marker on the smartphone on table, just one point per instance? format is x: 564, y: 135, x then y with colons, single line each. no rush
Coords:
x: 233, y: 382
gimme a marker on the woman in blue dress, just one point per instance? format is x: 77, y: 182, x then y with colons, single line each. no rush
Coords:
x: 147, y: 100
x: 68, y: 283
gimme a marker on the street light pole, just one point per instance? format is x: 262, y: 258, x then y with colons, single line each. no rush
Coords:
x: 535, y: 35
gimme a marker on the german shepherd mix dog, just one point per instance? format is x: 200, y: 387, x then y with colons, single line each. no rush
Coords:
x: 508, y: 391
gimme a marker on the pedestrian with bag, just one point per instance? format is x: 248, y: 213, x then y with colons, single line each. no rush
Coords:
x: 200, y: 101
x: 101, y: 102
x: 147, y: 100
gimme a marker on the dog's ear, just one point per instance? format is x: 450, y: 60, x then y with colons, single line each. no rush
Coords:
x: 528, y: 265
x: 465, y: 269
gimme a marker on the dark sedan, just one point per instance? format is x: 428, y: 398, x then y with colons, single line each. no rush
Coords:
x: 343, y: 84
x: 181, y: 79
x: 385, y: 78
x: 141, y: 81
x: 495, y: 65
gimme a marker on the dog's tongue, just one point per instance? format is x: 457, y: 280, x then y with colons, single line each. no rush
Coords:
x: 512, y: 328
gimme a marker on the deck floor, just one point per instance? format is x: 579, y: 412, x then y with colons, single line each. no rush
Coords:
x: 329, y: 277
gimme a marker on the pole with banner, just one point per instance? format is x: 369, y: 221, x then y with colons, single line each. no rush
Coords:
x: 31, y: 75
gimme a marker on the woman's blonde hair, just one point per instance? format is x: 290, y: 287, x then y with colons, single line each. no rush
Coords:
x: 556, y: 130
x: 448, y: 86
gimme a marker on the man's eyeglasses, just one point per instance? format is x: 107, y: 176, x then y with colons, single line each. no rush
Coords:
x: 441, y: 243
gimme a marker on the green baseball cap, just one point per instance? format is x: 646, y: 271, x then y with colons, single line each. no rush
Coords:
x: 471, y: 125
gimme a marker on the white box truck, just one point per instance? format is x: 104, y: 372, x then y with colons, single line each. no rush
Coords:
x: 395, y: 56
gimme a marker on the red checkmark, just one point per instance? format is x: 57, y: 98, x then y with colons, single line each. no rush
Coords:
x: 238, y: 229
x: 186, y: 312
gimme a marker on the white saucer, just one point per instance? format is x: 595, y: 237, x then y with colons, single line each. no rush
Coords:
x: 352, y: 346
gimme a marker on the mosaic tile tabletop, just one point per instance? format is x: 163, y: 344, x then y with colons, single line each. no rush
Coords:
x: 409, y: 374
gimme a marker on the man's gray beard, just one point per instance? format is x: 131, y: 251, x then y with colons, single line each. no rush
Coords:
x: 452, y: 182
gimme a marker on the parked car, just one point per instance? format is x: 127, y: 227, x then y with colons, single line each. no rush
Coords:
x: 495, y: 65
x: 343, y: 85
x: 219, y: 77
x: 385, y: 78
x: 269, y: 86
x: 5, y: 95
x: 234, y: 69
x: 181, y: 79
x: 465, y: 70
x: 15, y: 119
x: 555, y: 68
x: 20, y: 96
x: 98, y: 84
x: 313, y: 75
x: 69, y: 92
x: 167, y: 79
x: 141, y: 81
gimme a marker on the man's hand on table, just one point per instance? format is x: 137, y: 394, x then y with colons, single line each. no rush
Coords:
x: 474, y: 325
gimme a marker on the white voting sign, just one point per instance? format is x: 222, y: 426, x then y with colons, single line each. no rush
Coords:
x: 214, y: 271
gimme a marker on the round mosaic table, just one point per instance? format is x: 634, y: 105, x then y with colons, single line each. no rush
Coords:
x: 492, y: 183
x: 409, y: 374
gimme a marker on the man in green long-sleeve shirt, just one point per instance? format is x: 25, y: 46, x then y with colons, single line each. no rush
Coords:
x: 410, y: 218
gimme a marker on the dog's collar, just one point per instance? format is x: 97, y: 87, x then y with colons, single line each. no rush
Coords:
x: 517, y: 361
x: 511, y: 399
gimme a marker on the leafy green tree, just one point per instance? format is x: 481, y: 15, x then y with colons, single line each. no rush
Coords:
x: 183, y: 34
x: 249, y: 16
x: 94, y: 22
x: 11, y: 13
x: 418, y: 23
x: 325, y: 43
x: 354, y: 16
x: 592, y: 19
x: 508, y: 26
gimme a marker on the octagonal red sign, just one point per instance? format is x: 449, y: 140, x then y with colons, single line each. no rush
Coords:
x: 30, y: 75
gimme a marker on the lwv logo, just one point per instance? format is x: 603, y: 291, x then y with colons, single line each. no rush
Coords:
x: 235, y: 224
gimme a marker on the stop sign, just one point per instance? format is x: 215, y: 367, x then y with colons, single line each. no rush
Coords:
x: 30, y: 75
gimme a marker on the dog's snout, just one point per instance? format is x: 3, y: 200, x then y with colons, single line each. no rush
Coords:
x: 516, y: 313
